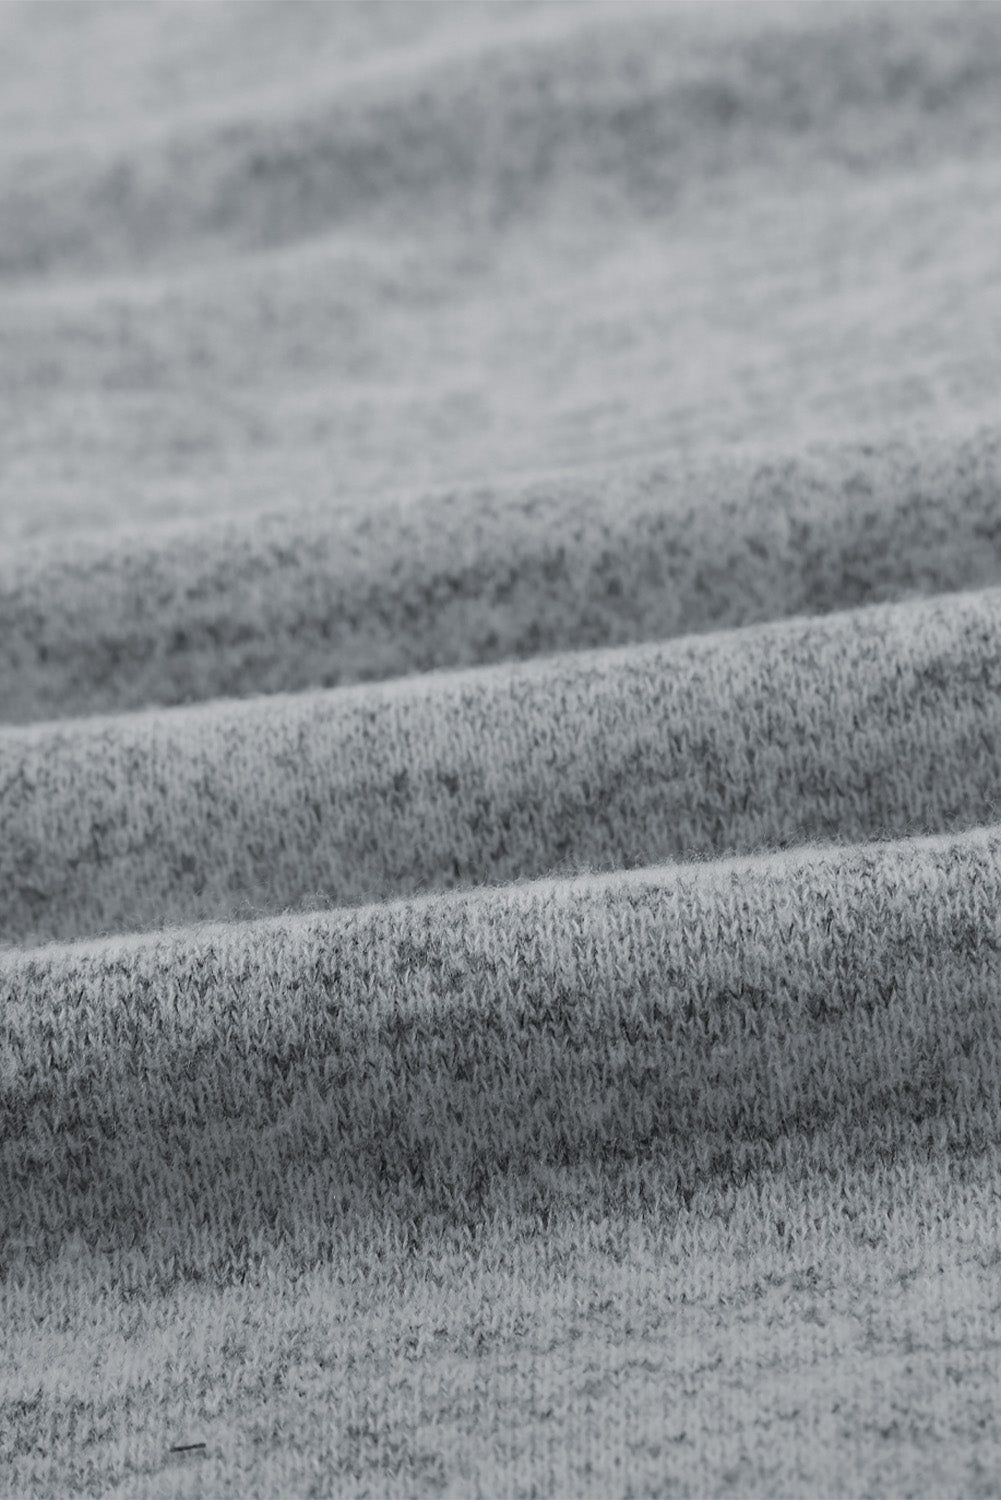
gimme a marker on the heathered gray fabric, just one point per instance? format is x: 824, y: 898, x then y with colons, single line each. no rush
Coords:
x: 500, y: 749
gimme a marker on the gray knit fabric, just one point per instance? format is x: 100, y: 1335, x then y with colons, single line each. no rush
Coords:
x: 500, y: 749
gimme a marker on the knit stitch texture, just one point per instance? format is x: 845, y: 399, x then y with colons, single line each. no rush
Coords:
x: 500, y: 750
